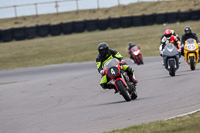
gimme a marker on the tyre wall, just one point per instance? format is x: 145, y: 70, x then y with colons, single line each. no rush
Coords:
x: 19, y: 33
x: 32, y: 32
x: 43, y: 30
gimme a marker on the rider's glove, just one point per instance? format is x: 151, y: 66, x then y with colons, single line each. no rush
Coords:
x: 179, y: 50
x: 102, y: 72
x: 123, y: 62
x: 161, y: 52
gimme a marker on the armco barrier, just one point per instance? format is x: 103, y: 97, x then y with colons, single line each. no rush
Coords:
x: 6, y: 35
x: 43, y: 30
x: 19, y: 34
x: 138, y: 20
x: 79, y: 26
x: 103, y: 24
x: 31, y: 32
x: 149, y: 19
x: 67, y: 27
x: 126, y: 22
x: 184, y: 16
x: 195, y: 15
x: 161, y: 18
x: 172, y: 17
x: 115, y: 23
x: 91, y: 25
x: 55, y: 30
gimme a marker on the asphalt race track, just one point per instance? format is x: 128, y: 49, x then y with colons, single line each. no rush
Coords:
x: 67, y: 98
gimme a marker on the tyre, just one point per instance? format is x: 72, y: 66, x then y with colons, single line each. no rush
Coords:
x: 134, y: 95
x: 172, y: 68
x: 141, y: 61
x: 123, y: 91
x: 192, y: 67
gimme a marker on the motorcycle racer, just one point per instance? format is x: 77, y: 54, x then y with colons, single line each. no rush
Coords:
x: 169, y: 38
x: 130, y: 46
x: 188, y: 34
x: 104, y: 55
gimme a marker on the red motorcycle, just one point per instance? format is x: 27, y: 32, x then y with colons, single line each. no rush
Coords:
x: 120, y: 79
x: 136, y: 54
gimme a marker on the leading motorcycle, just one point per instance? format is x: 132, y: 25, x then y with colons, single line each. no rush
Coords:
x: 120, y: 79
x: 191, y: 53
x: 171, y: 58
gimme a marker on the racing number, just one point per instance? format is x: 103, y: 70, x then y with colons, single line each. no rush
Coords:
x: 112, y: 71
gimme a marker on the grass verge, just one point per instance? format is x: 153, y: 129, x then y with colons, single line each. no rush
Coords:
x: 185, y: 124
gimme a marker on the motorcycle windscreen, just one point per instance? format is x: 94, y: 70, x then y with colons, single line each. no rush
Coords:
x: 170, y: 50
x: 134, y: 48
x: 110, y: 63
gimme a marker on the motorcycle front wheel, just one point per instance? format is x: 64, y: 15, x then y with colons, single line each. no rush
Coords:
x: 123, y: 91
x: 172, y: 68
x: 192, y: 67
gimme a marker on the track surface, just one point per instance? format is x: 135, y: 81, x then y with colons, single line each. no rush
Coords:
x: 68, y: 99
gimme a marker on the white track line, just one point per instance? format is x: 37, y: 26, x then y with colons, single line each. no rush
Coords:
x: 192, y: 112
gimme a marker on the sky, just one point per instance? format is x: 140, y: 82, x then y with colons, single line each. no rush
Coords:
x: 44, y: 8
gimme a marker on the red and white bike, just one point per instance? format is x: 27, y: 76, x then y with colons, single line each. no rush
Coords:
x: 120, y: 79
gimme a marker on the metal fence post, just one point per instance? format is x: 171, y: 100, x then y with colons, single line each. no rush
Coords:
x: 15, y: 8
x: 98, y: 4
x: 56, y: 6
x: 118, y: 2
x: 77, y: 5
x: 36, y: 9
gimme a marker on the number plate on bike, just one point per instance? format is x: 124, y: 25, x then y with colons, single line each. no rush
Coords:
x: 113, y: 71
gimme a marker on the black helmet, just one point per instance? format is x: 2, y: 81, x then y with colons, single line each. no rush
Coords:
x: 103, y: 49
x: 188, y: 30
x: 130, y: 44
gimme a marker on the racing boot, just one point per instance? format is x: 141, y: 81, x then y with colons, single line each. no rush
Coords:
x: 132, y: 79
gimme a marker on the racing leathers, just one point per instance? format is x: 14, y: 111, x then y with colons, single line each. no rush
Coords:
x: 131, y: 55
x: 187, y: 36
x: 100, y: 61
x: 173, y: 39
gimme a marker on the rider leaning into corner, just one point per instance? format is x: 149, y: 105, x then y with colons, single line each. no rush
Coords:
x: 104, y: 55
x: 131, y: 45
x: 169, y: 38
x: 188, y: 34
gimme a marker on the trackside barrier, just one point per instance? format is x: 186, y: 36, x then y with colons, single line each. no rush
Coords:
x: 6, y: 35
x: 19, y: 33
x: 23, y: 33
x: 67, y: 28
x: 91, y: 25
x: 161, y: 18
x: 43, y: 30
x: 55, y: 30
x: 31, y: 32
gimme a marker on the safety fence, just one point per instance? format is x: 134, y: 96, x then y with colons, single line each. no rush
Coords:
x: 23, y: 33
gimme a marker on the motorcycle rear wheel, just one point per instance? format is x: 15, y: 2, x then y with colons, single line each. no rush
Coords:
x: 123, y: 91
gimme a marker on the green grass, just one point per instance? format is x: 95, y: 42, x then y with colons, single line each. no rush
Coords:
x: 83, y: 47
x: 185, y: 124
x: 123, y: 10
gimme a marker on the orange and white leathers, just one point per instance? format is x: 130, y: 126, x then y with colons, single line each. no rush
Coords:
x: 173, y: 39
